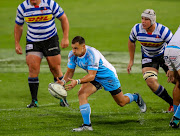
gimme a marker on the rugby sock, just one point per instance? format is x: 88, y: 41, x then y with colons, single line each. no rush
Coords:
x: 175, y: 108
x: 132, y: 97
x: 177, y: 114
x: 55, y: 79
x: 33, y: 86
x: 161, y: 92
x: 85, y: 112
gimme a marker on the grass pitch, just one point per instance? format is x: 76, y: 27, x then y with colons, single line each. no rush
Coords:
x: 106, y: 26
x: 51, y: 119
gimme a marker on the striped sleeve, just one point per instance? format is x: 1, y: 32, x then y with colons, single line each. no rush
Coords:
x: 133, y: 33
x: 19, y: 15
x: 56, y: 9
x: 166, y: 34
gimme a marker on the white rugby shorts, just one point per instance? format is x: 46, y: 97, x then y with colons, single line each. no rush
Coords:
x: 172, y: 58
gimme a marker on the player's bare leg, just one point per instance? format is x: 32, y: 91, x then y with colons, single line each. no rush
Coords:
x: 85, y: 91
x: 33, y: 63
x: 54, y: 63
x: 156, y: 88
x: 123, y: 99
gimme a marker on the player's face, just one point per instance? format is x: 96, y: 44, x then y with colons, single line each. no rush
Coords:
x: 146, y: 22
x: 78, y: 49
x: 35, y: 2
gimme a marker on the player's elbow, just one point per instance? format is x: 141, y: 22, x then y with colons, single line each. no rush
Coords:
x: 92, y: 77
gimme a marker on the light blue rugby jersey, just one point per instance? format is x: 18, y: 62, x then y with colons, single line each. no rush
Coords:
x: 154, y: 44
x: 40, y: 19
x: 92, y: 60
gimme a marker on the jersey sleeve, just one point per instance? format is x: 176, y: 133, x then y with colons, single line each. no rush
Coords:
x: 19, y: 15
x: 167, y: 35
x: 93, y: 60
x: 133, y: 34
x: 56, y: 9
x: 71, y: 61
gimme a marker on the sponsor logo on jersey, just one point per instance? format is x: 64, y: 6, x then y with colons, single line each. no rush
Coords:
x: 172, y: 58
x: 151, y: 44
x: 42, y: 18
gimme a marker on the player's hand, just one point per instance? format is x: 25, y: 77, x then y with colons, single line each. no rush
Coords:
x: 60, y: 82
x: 129, y: 67
x: 170, y: 75
x: 18, y: 49
x: 64, y: 42
x: 71, y: 85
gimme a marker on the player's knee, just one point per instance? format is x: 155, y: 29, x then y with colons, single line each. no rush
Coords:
x: 33, y: 70
x: 82, y: 95
x: 150, y: 77
x: 150, y: 83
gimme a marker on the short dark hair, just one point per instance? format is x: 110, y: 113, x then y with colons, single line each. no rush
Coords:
x: 78, y: 39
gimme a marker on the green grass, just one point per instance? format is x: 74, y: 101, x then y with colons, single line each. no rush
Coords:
x: 106, y: 26
x: 107, y: 117
x: 51, y: 119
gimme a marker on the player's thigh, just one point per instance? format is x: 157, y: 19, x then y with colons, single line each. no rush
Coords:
x: 33, y: 61
x: 54, y: 61
x: 87, y: 89
x: 145, y: 69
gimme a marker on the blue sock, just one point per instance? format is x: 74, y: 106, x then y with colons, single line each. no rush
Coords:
x: 175, y: 108
x: 177, y: 114
x: 85, y: 112
x: 132, y: 97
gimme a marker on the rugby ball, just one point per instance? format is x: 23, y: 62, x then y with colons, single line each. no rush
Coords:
x: 57, y: 90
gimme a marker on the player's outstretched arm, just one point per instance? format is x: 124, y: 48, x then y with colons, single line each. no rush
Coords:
x: 65, y: 28
x: 18, y: 29
x: 89, y: 77
x: 131, y: 47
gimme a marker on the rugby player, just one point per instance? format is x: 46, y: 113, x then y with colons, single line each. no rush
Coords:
x: 100, y: 73
x: 172, y: 59
x: 41, y: 40
x: 153, y: 38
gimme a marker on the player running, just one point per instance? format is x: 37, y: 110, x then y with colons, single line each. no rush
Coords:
x: 100, y: 74
x: 153, y: 38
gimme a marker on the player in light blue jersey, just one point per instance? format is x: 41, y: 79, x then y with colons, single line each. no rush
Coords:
x: 153, y: 38
x: 100, y: 73
x: 41, y: 40
x: 172, y: 59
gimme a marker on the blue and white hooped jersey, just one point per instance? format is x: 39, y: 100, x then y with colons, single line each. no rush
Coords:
x: 94, y: 60
x: 152, y: 45
x: 40, y: 19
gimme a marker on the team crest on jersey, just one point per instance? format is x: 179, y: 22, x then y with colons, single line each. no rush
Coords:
x: 43, y: 18
x: 157, y: 36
